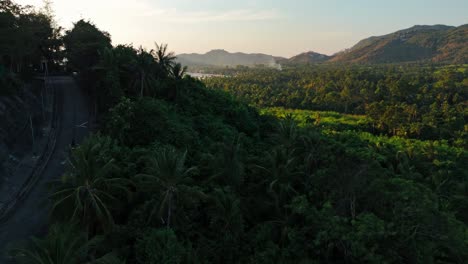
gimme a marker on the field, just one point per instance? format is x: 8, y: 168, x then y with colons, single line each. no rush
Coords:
x: 326, y: 120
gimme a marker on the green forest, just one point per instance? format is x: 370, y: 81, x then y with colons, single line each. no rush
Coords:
x: 311, y: 164
x: 417, y: 101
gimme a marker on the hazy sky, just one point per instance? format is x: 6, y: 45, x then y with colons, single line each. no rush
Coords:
x: 277, y: 27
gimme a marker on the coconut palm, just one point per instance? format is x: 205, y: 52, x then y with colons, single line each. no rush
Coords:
x: 85, y: 193
x: 226, y: 211
x: 170, y: 175
x: 62, y: 245
x: 230, y: 166
x: 108, y: 68
x: 281, y: 169
x: 178, y: 71
x: 287, y: 131
x: 144, y: 72
x: 165, y: 59
x: 226, y: 220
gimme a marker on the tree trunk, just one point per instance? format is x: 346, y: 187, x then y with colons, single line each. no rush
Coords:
x: 352, y: 206
x: 142, y: 77
x: 169, y: 210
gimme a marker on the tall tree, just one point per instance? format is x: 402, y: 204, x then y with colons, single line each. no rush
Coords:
x: 83, y: 44
x: 169, y: 175
x: 165, y: 59
x: 144, y: 75
x: 63, y: 245
x: 178, y: 71
x: 86, y: 192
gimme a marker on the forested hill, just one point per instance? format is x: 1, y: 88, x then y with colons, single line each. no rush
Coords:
x: 308, y: 57
x: 439, y: 44
x: 224, y: 58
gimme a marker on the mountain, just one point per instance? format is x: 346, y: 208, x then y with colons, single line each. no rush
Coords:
x: 308, y: 58
x: 224, y: 58
x: 438, y: 43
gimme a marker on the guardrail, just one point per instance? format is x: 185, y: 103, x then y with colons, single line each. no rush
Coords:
x: 7, y: 208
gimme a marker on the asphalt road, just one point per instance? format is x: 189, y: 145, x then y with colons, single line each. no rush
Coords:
x: 32, y: 215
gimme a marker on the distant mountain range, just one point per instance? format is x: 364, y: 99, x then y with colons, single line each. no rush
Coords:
x: 438, y: 43
x: 223, y: 58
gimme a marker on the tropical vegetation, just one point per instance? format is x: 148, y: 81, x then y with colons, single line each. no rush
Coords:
x: 372, y: 171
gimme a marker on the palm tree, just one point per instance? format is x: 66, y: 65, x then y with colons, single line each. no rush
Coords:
x: 108, y: 68
x: 230, y: 165
x: 287, y: 131
x: 165, y: 59
x: 108, y: 65
x: 281, y: 168
x: 226, y: 220
x: 170, y: 175
x: 310, y: 143
x: 226, y: 212
x: 144, y: 77
x: 178, y: 71
x: 88, y: 188
x: 62, y: 245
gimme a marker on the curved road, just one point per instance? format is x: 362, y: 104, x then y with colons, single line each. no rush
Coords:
x: 31, y: 217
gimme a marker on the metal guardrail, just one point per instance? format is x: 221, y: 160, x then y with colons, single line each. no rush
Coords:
x: 7, y: 208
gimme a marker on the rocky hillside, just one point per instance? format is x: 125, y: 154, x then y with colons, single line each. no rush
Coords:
x: 439, y: 43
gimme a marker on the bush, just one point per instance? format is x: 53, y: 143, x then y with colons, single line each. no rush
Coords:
x: 159, y: 246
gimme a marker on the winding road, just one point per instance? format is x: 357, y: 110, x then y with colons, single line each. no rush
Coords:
x: 31, y: 215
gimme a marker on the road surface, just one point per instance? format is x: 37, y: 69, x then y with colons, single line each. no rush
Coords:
x: 31, y: 216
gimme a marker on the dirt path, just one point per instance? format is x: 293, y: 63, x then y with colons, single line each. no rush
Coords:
x: 32, y: 214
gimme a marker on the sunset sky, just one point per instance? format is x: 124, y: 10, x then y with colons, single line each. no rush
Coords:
x: 283, y: 28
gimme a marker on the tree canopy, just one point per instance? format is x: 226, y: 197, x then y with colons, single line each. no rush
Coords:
x: 185, y: 171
